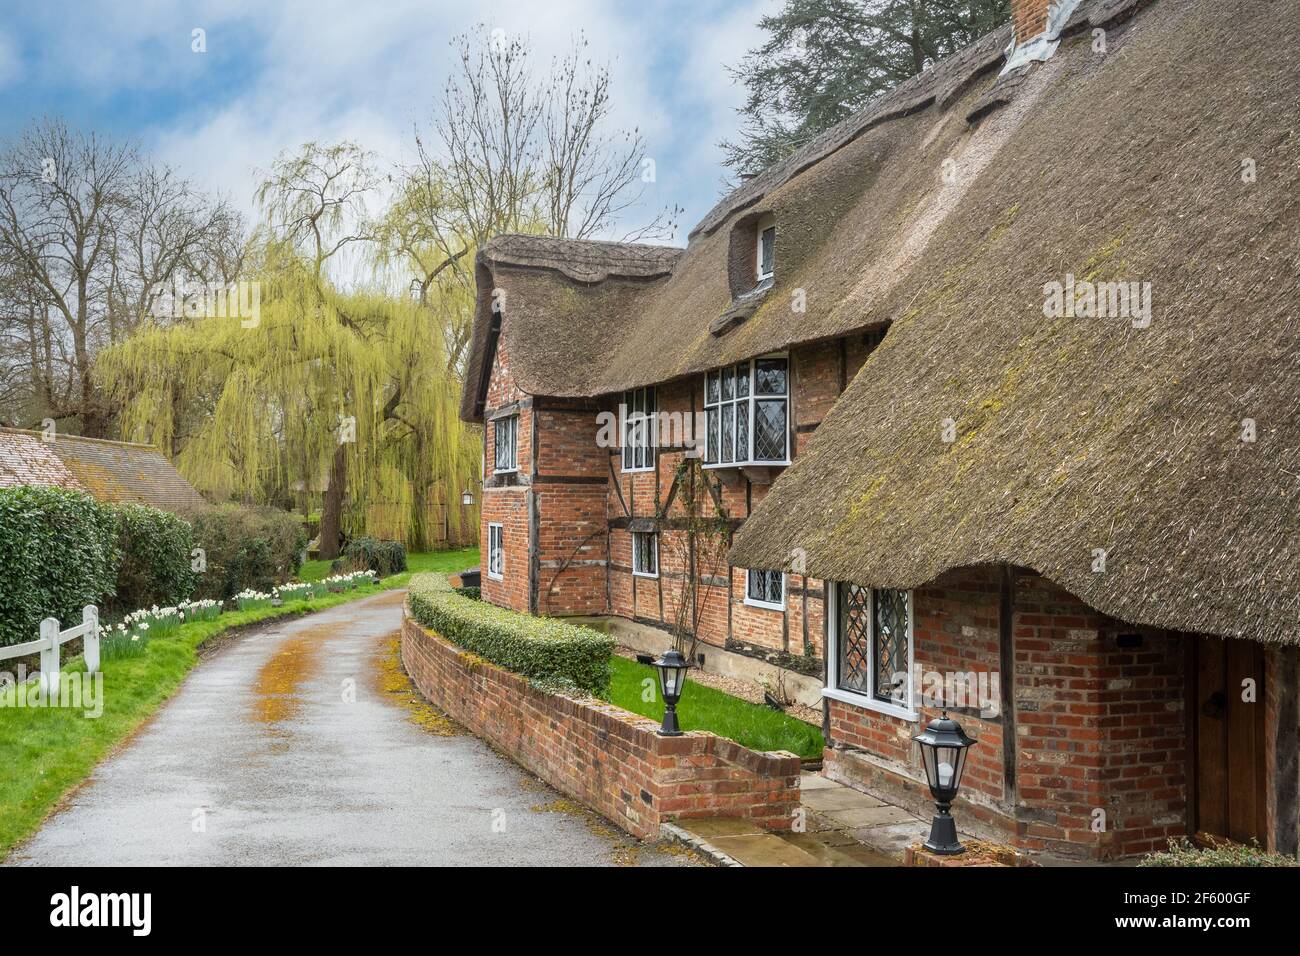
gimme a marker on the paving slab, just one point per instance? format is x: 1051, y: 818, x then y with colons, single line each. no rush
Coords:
x: 858, y: 817
x: 839, y: 798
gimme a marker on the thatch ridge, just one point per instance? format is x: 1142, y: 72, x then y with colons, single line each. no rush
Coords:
x: 1076, y: 436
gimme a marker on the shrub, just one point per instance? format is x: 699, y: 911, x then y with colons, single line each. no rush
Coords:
x: 1184, y: 853
x: 246, y: 548
x: 549, y: 652
x: 155, y: 565
x: 371, y: 554
x: 58, y: 553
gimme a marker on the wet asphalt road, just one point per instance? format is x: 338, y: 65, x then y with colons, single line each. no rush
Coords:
x: 301, y: 744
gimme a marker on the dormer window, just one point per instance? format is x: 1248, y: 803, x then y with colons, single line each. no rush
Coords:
x: 766, y: 248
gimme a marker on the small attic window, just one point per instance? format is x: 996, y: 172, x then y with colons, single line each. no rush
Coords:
x: 766, y: 247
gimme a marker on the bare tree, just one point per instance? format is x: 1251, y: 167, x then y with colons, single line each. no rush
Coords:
x: 88, y: 232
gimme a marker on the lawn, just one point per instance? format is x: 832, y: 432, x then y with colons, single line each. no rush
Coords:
x: 444, y: 561
x: 703, y: 708
x: 44, y: 752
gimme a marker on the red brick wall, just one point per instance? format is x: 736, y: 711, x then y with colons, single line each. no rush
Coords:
x: 602, y: 756
x: 1098, y: 727
x: 581, y: 570
x: 1029, y: 17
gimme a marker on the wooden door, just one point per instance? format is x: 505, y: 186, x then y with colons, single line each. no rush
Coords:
x: 1229, y: 729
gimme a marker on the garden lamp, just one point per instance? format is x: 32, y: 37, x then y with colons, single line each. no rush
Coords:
x: 943, y: 751
x: 672, y: 677
x: 467, y: 497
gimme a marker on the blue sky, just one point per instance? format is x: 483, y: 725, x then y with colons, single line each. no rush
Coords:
x: 279, y: 72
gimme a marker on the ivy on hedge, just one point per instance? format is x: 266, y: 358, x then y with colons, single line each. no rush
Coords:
x: 58, y: 553
x: 550, y: 652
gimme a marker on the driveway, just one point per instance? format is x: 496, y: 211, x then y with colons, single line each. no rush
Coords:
x: 303, y: 743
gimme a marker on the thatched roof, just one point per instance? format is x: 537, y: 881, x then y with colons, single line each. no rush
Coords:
x: 1074, y: 434
x: 1071, y: 434
x: 108, y: 470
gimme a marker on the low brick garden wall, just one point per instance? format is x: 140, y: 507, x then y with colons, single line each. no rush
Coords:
x: 600, y: 755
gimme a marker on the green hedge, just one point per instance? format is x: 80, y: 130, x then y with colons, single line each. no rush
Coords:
x: 58, y: 553
x: 542, y: 649
x: 370, y: 554
x: 156, y: 559
x: 245, y: 547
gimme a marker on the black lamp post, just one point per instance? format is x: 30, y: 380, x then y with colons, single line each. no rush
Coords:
x: 943, y: 750
x: 672, y: 677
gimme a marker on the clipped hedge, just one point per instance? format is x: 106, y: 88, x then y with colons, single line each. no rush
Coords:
x: 371, y: 554
x: 156, y: 561
x: 542, y: 649
x: 245, y: 548
x: 58, y: 553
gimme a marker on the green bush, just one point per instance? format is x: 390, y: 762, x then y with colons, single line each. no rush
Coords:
x: 155, y: 566
x: 549, y: 652
x: 245, y: 548
x: 58, y: 553
x: 371, y: 554
x: 1184, y: 853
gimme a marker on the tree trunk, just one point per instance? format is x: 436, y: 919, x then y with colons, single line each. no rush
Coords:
x: 331, y: 518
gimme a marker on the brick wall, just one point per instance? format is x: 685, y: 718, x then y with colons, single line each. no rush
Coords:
x: 1097, y: 727
x: 1029, y: 17
x: 604, y: 757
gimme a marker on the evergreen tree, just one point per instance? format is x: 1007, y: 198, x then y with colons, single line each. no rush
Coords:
x: 824, y: 60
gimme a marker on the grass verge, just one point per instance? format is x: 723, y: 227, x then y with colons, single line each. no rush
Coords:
x: 703, y: 708
x: 444, y: 561
x: 47, y: 751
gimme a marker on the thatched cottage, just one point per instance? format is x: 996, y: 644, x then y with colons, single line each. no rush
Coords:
x: 990, y: 402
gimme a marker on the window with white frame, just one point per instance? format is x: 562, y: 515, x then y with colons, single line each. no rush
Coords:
x: 765, y: 589
x: 645, y: 554
x: 506, y: 432
x: 871, y: 648
x: 746, y: 410
x: 496, y: 552
x: 639, y: 429
x: 766, y: 252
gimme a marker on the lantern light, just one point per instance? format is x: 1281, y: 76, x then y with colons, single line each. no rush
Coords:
x: 467, y: 497
x: 943, y: 752
x: 672, y: 678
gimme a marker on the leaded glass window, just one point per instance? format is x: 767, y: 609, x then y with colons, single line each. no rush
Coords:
x: 853, y: 655
x: 506, y: 442
x: 765, y: 587
x: 747, y: 409
x: 872, y: 653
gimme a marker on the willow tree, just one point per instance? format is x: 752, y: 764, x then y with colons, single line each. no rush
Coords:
x: 352, y: 388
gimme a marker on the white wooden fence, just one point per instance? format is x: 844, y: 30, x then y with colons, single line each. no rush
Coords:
x: 52, y: 639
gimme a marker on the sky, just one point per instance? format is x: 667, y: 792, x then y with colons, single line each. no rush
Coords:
x: 277, y: 73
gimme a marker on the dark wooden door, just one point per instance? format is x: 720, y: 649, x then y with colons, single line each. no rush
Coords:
x: 1229, y: 750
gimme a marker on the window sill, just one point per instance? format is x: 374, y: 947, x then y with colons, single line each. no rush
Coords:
x: 644, y: 470
x: 764, y: 605
x: 644, y: 574
x: 505, y: 471
x: 747, y: 464
x: 870, y: 703
x: 496, y: 577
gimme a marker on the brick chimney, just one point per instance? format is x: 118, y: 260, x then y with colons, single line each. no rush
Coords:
x: 1029, y: 18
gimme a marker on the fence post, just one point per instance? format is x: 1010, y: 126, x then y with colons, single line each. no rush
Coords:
x: 90, y: 642
x: 50, y: 658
